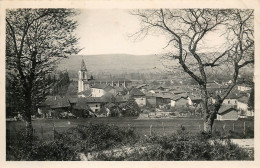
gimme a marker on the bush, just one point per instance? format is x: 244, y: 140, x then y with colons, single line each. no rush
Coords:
x: 110, y: 142
x: 22, y: 149
x: 95, y: 137
x: 182, y: 146
x: 66, y: 146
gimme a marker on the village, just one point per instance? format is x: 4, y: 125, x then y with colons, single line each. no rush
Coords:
x: 110, y: 98
x: 155, y: 84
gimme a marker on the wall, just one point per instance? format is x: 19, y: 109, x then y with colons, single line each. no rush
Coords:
x: 181, y: 102
x: 97, y: 92
x: 230, y: 101
x: 94, y: 106
x: 141, y: 101
x: 151, y: 101
x: 172, y: 103
x: 241, y: 106
x: 243, y: 88
x: 232, y: 115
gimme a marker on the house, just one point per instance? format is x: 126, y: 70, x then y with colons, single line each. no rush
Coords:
x: 142, y: 86
x: 151, y: 101
x: 227, y: 112
x: 179, y: 101
x: 158, y: 99
x: 231, y: 99
x: 82, y: 109
x: 99, y: 90
x: 119, y: 90
x: 243, y: 87
x: 94, y: 103
x: 53, y: 106
x: 242, y: 104
x: 161, y: 88
x: 139, y: 96
x: 85, y: 93
x: 196, y: 101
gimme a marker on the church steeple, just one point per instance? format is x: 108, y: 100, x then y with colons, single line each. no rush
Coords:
x: 83, y: 77
x: 83, y: 65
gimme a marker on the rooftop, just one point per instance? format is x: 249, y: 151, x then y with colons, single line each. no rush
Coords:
x: 226, y: 108
x: 136, y: 92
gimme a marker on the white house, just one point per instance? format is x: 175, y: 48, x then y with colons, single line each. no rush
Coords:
x: 242, y: 103
x: 139, y: 96
x: 243, y: 88
x: 227, y: 112
x: 99, y: 90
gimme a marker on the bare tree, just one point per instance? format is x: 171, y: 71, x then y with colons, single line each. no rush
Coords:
x: 35, y: 40
x: 186, y: 31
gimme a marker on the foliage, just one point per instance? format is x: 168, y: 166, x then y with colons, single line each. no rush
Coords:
x: 109, y: 142
x: 96, y: 137
x: 61, y: 84
x: 67, y: 145
x: 181, y: 146
x: 130, y: 108
x: 36, y: 39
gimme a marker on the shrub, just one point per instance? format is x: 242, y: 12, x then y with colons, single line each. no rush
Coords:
x: 96, y: 137
x: 182, y: 146
x: 110, y: 142
x: 22, y: 149
x: 66, y: 146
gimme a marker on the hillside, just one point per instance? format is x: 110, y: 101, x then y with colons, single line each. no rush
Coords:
x: 113, y: 63
x: 124, y: 63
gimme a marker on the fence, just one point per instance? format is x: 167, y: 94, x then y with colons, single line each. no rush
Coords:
x: 48, y: 131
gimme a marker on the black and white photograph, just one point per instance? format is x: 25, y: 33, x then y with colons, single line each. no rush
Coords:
x: 129, y: 84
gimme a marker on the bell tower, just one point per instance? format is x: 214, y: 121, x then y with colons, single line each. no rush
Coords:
x: 82, y: 77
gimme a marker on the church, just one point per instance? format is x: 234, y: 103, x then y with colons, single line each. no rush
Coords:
x: 90, y: 87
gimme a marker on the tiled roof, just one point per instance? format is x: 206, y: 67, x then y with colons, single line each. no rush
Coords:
x: 99, y: 86
x: 90, y: 100
x: 226, y: 108
x: 118, y: 89
x: 122, y: 98
x: 82, y: 104
x: 60, y: 103
x: 108, y: 88
x: 243, y: 99
x: 178, y: 97
x: 136, y: 92
x: 73, y: 99
x: 86, y: 93
x: 142, y: 85
x: 109, y: 105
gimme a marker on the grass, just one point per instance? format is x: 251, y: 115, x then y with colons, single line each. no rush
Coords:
x: 44, y: 128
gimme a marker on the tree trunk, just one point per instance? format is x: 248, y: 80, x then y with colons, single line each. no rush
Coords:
x: 208, y: 123
x: 29, y: 129
x: 28, y: 118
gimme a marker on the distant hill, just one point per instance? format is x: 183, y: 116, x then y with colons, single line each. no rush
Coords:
x: 122, y: 63
x: 113, y: 63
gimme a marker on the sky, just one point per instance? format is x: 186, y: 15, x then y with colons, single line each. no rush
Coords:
x: 107, y: 31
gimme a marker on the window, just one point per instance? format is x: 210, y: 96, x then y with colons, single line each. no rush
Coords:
x: 229, y: 102
x: 96, y: 105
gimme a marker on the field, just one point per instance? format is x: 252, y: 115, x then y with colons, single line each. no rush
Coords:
x: 44, y: 128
